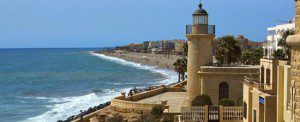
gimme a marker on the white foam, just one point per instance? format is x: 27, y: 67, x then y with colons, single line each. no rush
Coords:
x: 170, y: 75
x: 66, y: 107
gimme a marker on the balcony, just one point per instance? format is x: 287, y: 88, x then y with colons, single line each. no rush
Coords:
x: 255, y: 82
x: 200, y: 29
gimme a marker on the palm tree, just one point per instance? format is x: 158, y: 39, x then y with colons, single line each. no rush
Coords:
x: 283, y: 43
x: 279, y: 54
x: 184, y: 67
x: 185, y: 49
x: 252, y: 56
x: 181, y: 67
x: 228, y: 51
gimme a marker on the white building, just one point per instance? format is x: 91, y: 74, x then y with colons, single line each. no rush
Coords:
x: 275, y: 34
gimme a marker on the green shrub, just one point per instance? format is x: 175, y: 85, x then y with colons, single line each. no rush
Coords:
x: 157, y: 111
x: 226, y: 102
x: 202, y: 100
x: 155, y: 115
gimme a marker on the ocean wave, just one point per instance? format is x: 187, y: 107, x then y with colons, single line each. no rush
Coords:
x: 68, y: 106
x: 65, y: 107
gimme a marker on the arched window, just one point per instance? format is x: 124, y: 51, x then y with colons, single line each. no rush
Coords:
x: 223, y: 90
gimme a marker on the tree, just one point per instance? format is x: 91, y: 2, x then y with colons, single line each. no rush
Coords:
x: 181, y: 67
x: 252, y: 56
x: 185, y: 48
x: 202, y: 100
x: 283, y: 43
x: 279, y: 54
x: 157, y: 111
x: 155, y: 115
x: 226, y: 102
x: 228, y: 51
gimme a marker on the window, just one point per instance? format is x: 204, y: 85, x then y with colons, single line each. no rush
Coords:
x: 254, y: 116
x: 223, y: 91
x: 245, y: 110
x: 268, y: 77
x: 262, y: 75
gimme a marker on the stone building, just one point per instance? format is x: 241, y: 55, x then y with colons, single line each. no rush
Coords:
x: 281, y: 102
x: 260, y: 94
x: 274, y: 36
x: 203, y: 77
x: 294, y: 41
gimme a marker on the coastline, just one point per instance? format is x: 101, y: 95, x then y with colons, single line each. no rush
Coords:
x: 159, y: 60
x: 136, y: 62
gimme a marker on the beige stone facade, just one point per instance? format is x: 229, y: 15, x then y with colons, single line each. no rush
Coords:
x: 262, y: 99
x: 294, y: 41
x: 212, y: 77
x: 297, y: 21
x: 199, y: 54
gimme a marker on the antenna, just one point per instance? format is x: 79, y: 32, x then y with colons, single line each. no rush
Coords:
x: 283, y: 21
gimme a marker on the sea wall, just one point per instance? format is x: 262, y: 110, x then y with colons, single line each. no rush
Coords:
x: 130, y: 103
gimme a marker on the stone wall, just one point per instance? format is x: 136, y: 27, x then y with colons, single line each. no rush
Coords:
x: 294, y: 41
x: 130, y: 106
x: 297, y: 21
x: 199, y: 54
x: 295, y: 71
x: 247, y: 99
x: 212, y: 77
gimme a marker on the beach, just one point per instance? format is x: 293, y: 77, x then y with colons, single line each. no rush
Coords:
x: 160, y: 60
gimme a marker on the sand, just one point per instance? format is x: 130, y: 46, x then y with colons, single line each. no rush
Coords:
x: 160, y: 60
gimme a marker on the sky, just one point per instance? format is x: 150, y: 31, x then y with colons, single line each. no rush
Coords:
x: 106, y: 23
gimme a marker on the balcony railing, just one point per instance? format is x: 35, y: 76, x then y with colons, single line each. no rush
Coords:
x: 200, y: 29
x: 257, y: 84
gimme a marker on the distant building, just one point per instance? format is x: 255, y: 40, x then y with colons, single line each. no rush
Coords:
x: 179, y: 45
x: 254, y: 45
x: 168, y: 46
x: 135, y: 47
x: 273, y: 38
x: 146, y: 46
x: 242, y: 42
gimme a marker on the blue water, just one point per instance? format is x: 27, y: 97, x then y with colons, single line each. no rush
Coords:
x: 51, y: 84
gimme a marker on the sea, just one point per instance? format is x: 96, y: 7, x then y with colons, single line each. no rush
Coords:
x: 46, y: 85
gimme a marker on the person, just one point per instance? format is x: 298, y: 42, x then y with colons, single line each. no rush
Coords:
x: 81, y: 116
x: 130, y: 95
x: 134, y: 89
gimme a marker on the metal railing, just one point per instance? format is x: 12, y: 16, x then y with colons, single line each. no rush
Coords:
x: 193, y: 113
x: 205, y: 113
x: 200, y: 29
x: 233, y: 113
x: 257, y: 83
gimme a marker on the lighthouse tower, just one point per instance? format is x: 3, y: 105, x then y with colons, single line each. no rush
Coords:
x: 200, y: 37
